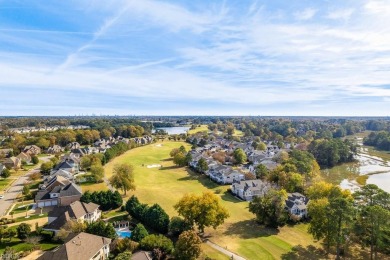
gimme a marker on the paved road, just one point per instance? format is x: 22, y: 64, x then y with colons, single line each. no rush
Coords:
x: 225, y: 251
x: 12, y: 193
x: 16, y: 188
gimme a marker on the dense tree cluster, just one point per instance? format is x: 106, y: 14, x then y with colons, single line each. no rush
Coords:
x: 114, y: 151
x: 101, y: 228
x: 154, y: 217
x: 106, y: 199
x: 157, y: 242
x: 180, y: 156
x: 380, y: 140
x: 177, y: 225
x: 139, y: 233
x: 330, y: 152
x: 338, y: 218
x: 270, y: 208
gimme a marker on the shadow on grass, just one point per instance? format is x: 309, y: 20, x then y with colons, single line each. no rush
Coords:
x: 164, y: 168
x: 166, y: 160
x: 247, y: 229
x: 227, y: 196
x: 304, y: 253
x: 202, y: 179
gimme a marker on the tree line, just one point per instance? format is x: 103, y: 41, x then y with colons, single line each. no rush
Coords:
x: 380, y: 140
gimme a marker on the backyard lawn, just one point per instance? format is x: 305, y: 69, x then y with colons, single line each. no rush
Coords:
x: 4, y: 183
x: 166, y: 184
x: 19, y: 245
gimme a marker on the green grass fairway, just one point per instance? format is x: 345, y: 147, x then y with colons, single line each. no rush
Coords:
x: 92, y: 186
x: 198, y: 129
x: 167, y: 184
x: 213, y: 253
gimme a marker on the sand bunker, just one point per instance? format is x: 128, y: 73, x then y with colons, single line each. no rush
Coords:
x: 158, y: 145
x: 153, y: 166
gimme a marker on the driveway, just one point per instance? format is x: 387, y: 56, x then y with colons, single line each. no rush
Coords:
x: 16, y: 188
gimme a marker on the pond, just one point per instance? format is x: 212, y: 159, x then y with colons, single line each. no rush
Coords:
x: 175, y: 130
x: 369, y: 162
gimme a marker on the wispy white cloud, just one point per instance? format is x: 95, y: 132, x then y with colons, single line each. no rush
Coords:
x: 340, y: 14
x: 306, y: 14
x: 248, y: 57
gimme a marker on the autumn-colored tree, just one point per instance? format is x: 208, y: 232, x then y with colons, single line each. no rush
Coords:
x: 97, y: 172
x: 123, y: 177
x: 204, y: 210
x: 188, y: 246
x: 269, y: 209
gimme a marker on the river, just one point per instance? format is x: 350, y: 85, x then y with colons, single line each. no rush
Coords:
x: 371, y: 165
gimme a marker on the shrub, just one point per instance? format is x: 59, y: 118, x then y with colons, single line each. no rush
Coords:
x: 23, y: 230
x: 106, y: 199
x: 177, y: 225
x: 121, y: 245
x: 157, y: 241
x: 139, y: 233
x: 188, y: 246
x: 154, y: 217
x: 34, y: 160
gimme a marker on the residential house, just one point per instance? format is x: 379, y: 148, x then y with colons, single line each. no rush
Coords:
x: 296, y: 204
x: 269, y: 164
x: 256, y: 156
x: 247, y: 190
x: 82, y: 246
x: 58, y: 195
x: 68, y: 165
x: 24, y: 157
x: 80, y: 152
x: 55, y: 149
x: 12, y: 162
x: 225, y: 175
x: 67, y: 175
x: 78, y: 211
x: 74, y: 145
x: 6, y: 152
x: 2, y: 168
x: 71, y: 157
x: 52, y: 181
x: 32, y: 150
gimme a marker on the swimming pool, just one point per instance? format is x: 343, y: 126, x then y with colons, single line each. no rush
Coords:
x: 123, y: 233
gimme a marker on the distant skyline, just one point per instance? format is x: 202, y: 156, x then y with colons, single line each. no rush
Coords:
x: 142, y: 57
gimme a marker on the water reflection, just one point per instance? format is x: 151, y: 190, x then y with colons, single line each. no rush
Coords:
x: 366, y: 163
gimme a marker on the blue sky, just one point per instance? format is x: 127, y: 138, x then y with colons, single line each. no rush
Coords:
x: 125, y: 57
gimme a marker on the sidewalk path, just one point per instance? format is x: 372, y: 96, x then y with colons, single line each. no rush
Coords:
x: 225, y: 251
x: 108, y: 184
x: 16, y: 188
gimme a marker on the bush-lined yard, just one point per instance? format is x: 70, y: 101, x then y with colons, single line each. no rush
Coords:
x: 167, y: 184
